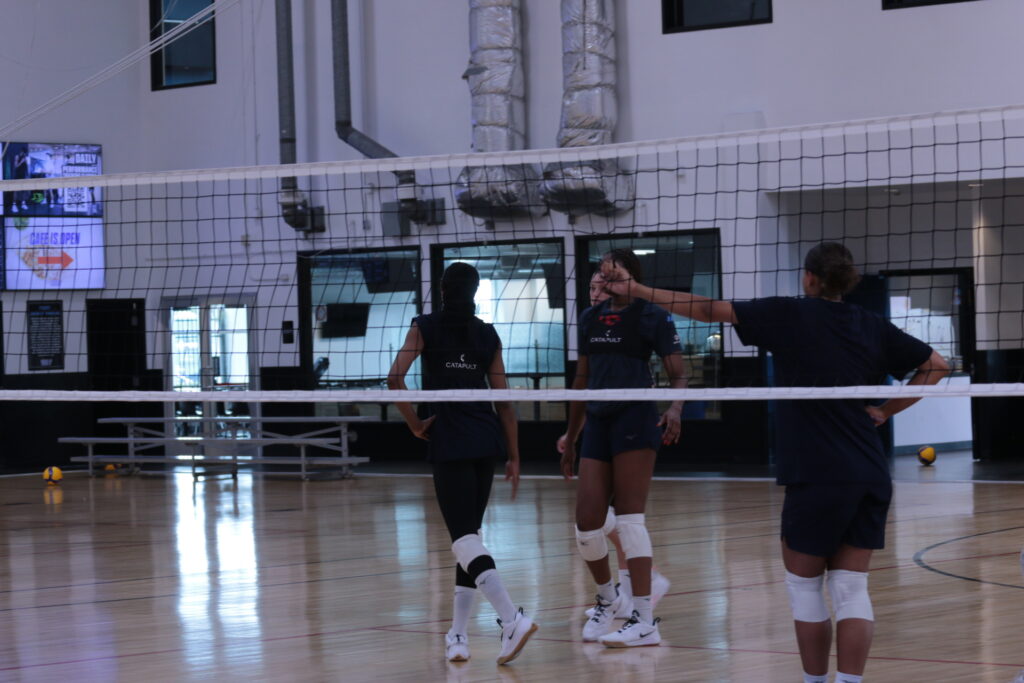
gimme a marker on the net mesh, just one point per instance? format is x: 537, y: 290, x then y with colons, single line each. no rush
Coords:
x: 146, y: 286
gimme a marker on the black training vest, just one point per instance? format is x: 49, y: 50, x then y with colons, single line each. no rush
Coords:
x: 457, y: 353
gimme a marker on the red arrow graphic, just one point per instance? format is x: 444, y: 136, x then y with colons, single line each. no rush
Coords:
x: 63, y: 260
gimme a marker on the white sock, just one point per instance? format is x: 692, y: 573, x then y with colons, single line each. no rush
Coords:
x: 808, y: 678
x: 847, y: 678
x: 493, y: 589
x: 606, y: 591
x: 625, y: 587
x: 462, y: 608
x: 642, y: 606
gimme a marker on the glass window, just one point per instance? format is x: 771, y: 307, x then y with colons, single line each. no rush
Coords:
x: 928, y: 306
x: 522, y: 293
x: 697, y: 15
x: 685, y: 262
x: 899, y: 4
x: 189, y: 60
x: 361, y: 307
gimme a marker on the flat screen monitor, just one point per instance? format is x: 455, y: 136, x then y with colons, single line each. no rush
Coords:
x: 23, y: 160
x: 345, y: 320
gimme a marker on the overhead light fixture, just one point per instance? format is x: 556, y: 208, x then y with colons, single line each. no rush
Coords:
x: 975, y: 184
x: 892, y: 190
x: 643, y: 252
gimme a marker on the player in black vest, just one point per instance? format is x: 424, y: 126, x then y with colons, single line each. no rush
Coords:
x: 460, y: 351
x: 830, y: 457
x: 620, y: 441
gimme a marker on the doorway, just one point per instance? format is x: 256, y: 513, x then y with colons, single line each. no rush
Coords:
x: 936, y: 306
x: 210, y: 350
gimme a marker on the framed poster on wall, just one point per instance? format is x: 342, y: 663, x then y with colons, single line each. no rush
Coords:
x: 45, y: 335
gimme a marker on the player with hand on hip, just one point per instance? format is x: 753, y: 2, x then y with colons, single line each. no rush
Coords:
x: 829, y: 456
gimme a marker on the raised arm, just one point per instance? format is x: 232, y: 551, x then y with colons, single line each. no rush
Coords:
x: 618, y: 281
x: 929, y: 372
x: 409, y: 352
x: 507, y: 416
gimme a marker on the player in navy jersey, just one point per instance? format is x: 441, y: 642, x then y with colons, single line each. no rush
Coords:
x: 620, y: 442
x: 830, y: 456
x: 460, y: 351
x: 659, y: 583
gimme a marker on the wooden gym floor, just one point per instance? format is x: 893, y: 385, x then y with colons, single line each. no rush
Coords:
x: 162, y: 579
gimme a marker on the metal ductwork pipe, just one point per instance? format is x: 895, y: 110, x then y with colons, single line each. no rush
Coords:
x: 356, y: 139
x: 495, y: 76
x: 294, y: 206
x: 589, y: 114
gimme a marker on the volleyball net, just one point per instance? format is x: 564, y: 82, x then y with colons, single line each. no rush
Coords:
x: 298, y: 283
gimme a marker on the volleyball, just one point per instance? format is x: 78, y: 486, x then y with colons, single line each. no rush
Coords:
x: 926, y: 455
x: 52, y: 475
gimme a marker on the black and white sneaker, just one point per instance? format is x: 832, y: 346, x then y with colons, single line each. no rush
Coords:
x: 634, y: 633
x: 514, y: 636
x: 600, y: 621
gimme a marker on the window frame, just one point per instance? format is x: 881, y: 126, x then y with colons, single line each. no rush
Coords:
x: 304, y: 281
x: 908, y: 4
x: 156, y: 60
x: 582, y: 262
x: 437, y: 256
x: 675, y: 8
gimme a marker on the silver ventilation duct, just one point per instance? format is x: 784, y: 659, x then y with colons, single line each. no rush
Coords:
x: 496, y: 84
x: 589, y: 114
x: 295, y: 208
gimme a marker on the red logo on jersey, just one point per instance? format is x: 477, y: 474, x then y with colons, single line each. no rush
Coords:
x: 610, y: 319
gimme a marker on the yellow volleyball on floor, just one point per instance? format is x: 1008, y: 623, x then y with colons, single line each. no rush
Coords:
x: 926, y: 455
x: 52, y: 475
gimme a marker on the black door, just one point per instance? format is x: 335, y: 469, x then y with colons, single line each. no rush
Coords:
x: 116, y: 342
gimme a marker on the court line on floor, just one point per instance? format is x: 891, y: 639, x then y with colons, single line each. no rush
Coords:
x: 919, y: 558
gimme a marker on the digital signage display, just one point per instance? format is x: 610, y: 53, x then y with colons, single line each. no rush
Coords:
x: 25, y: 160
x: 44, y: 253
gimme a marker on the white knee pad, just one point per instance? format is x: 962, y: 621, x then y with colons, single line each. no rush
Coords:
x: 806, y: 597
x: 609, y: 522
x: 849, y: 591
x: 633, y: 536
x: 467, y: 548
x: 592, y: 544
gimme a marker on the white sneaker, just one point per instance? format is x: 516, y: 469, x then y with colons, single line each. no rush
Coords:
x: 456, y: 647
x: 600, y: 621
x: 1020, y: 676
x: 634, y: 633
x: 514, y: 636
x: 622, y: 591
x: 659, y: 586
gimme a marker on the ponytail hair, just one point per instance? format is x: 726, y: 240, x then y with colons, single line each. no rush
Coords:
x: 833, y: 264
x: 458, y: 288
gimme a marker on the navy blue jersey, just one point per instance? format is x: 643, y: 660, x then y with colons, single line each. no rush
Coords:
x: 618, y: 346
x: 815, y: 342
x: 457, y: 352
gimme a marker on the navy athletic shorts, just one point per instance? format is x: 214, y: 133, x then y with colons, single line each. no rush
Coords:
x: 634, y: 427
x: 818, y: 518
